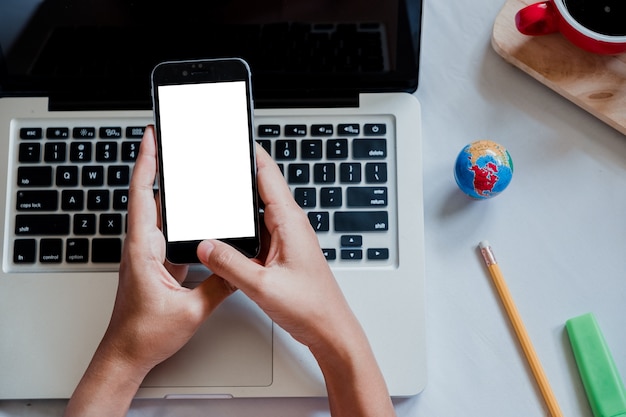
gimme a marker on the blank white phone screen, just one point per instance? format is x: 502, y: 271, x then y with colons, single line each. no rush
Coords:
x: 206, y: 161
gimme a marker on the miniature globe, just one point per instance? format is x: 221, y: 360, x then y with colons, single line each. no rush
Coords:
x: 483, y: 169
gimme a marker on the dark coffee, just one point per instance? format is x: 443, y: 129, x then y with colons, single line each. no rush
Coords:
x: 607, y: 17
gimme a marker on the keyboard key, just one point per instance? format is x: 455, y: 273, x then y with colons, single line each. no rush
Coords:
x: 29, y: 152
x: 376, y: 172
x: 80, y: 151
x: 378, y: 254
x: 351, y: 241
x: 352, y: 254
x: 366, y: 196
x: 330, y: 197
x: 31, y: 133
x: 295, y: 130
x: 298, y: 173
x: 57, y: 133
x: 265, y: 131
x: 324, y: 173
x: 24, y: 251
x: 312, y: 149
x: 322, y: 130
x: 42, y: 224
x: 51, y: 251
x: 361, y: 221
x: 93, y: 176
x: 351, y: 129
x: 114, y: 132
x: 118, y: 175
x: 369, y: 148
x: 330, y: 254
x: 266, y: 144
x: 130, y: 150
x: 84, y: 224
x: 110, y: 224
x: 286, y: 149
x: 305, y: 197
x: 40, y: 200
x: 77, y: 250
x: 72, y: 200
x: 34, y: 176
x: 106, y: 250
x: 67, y: 176
x: 55, y: 152
x: 350, y: 172
x: 337, y: 149
x: 84, y: 132
x: 135, y: 132
x: 374, y: 129
x: 120, y: 200
x: 98, y: 200
x: 320, y: 220
x: 106, y: 151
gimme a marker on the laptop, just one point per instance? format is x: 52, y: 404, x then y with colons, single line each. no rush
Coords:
x: 332, y: 83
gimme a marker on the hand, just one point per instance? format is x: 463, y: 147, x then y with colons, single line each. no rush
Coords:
x: 291, y: 281
x: 153, y: 315
x: 294, y: 285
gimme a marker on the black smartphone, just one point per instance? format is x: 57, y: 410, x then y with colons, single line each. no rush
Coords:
x: 206, y: 156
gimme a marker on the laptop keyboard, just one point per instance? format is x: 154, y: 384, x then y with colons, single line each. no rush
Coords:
x: 68, y: 209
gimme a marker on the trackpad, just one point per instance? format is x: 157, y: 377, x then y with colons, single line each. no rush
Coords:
x: 232, y: 348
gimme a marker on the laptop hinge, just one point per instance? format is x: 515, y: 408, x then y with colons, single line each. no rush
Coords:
x: 67, y: 103
x: 334, y: 102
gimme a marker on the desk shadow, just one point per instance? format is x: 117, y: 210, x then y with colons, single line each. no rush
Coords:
x: 456, y: 202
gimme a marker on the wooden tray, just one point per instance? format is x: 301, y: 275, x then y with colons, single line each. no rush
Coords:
x: 596, y: 83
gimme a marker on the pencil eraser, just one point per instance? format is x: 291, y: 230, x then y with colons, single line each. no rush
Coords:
x: 602, y: 382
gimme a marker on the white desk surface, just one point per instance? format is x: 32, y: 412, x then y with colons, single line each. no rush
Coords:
x: 558, y: 232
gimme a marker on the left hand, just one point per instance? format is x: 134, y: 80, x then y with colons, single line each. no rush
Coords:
x: 154, y: 316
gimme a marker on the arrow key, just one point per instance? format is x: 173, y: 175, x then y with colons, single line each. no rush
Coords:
x: 378, y: 254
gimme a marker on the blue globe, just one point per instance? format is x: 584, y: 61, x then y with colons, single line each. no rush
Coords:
x: 483, y: 169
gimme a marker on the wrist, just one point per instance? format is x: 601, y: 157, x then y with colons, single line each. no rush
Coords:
x: 113, y: 367
x: 108, y: 385
x: 354, y: 382
x: 342, y: 346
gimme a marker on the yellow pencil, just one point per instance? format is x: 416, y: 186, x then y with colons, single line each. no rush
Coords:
x: 520, y: 330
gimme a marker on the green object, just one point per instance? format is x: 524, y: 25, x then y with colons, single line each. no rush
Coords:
x: 604, y: 387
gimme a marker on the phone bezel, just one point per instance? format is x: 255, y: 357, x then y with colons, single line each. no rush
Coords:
x: 196, y: 72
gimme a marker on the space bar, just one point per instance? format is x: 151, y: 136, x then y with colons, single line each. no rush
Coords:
x: 361, y: 221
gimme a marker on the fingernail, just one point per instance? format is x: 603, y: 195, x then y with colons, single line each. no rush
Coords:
x: 207, y: 247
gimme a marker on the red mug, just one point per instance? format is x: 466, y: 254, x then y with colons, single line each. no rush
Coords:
x: 597, y: 26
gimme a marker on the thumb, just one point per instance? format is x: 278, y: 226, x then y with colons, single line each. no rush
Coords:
x: 227, y: 262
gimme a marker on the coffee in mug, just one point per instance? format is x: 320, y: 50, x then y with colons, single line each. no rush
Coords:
x: 597, y: 26
x: 607, y: 17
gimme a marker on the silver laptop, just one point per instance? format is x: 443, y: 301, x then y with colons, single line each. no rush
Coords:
x: 332, y: 85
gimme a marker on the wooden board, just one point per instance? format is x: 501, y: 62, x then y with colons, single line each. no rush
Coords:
x: 597, y: 83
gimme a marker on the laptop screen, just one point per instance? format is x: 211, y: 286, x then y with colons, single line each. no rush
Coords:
x: 98, y: 54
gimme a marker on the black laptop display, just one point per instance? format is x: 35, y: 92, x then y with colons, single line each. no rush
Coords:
x: 99, y: 53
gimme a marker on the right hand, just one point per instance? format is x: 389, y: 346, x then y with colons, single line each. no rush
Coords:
x: 292, y: 281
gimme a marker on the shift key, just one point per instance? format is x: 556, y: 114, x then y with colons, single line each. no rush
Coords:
x: 42, y: 224
x: 361, y: 221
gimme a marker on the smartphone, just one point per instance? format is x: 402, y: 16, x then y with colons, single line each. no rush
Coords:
x: 206, y: 156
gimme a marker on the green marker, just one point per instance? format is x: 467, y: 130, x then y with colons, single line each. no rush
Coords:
x: 604, y: 387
